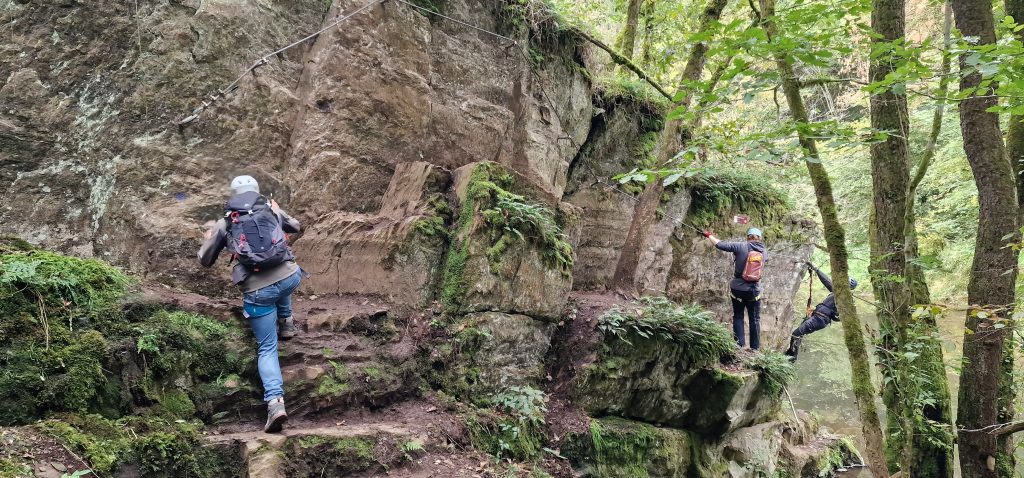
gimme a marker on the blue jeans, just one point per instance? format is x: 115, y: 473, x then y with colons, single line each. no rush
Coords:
x: 263, y: 307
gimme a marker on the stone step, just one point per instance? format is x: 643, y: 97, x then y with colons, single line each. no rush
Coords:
x: 322, y: 449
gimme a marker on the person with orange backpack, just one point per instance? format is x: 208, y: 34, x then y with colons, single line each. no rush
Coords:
x: 745, y: 287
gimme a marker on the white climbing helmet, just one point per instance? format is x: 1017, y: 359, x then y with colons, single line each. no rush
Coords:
x: 244, y: 184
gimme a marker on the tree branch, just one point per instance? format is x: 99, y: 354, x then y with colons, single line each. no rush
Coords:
x: 626, y: 62
x: 827, y: 80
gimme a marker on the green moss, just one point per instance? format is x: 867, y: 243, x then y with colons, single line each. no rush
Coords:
x: 717, y: 193
x: 12, y: 469
x: 503, y: 436
x: 178, y: 404
x: 334, y: 383
x: 60, y: 318
x: 358, y: 450
x: 629, y: 90
x: 54, y: 314
x: 159, y: 447
x: 620, y: 448
x: 432, y: 5
x: 503, y: 220
x: 10, y: 244
x: 316, y: 455
x: 839, y: 454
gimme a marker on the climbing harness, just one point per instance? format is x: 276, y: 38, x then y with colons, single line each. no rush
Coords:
x: 810, y: 293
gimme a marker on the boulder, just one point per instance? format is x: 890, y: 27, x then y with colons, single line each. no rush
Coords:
x: 510, y: 252
x: 653, y: 381
x: 495, y: 351
x: 619, y: 448
x: 514, y: 349
x: 395, y: 254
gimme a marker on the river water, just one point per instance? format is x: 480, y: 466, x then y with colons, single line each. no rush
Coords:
x: 822, y: 385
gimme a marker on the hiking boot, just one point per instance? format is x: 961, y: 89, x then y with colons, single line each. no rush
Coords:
x: 794, y: 348
x: 276, y: 416
x: 287, y: 329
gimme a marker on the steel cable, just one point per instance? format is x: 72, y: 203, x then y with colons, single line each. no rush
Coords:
x: 263, y: 60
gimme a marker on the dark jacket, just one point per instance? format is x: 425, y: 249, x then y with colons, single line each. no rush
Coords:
x: 246, y: 280
x: 827, y: 308
x: 740, y: 250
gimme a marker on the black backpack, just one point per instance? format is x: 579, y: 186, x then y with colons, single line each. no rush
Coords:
x: 255, y: 237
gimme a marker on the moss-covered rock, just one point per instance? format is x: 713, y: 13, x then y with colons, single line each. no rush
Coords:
x: 619, y: 448
x: 490, y: 352
x: 149, y: 444
x: 64, y: 320
x: 509, y: 251
x: 660, y: 363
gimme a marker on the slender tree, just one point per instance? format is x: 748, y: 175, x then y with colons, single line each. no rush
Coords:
x: 1015, y: 135
x: 674, y: 135
x: 835, y: 239
x: 627, y: 38
x: 990, y: 290
x: 647, y: 16
x: 920, y: 451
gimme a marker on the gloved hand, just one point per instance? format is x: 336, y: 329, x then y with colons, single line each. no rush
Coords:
x: 707, y: 233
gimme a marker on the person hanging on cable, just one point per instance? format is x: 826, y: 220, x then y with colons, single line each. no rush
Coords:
x: 822, y: 315
x: 745, y: 287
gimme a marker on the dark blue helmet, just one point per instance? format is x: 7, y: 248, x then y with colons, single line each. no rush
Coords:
x: 853, y: 283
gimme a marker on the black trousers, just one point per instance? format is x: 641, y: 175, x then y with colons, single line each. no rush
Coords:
x: 813, y: 323
x: 751, y: 302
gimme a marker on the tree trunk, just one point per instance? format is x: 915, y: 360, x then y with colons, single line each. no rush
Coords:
x: 835, y: 239
x: 1015, y: 151
x: 1015, y: 136
x: 990, y: 291
x: 647, y: 14
x: 918, y: 453
x: 673, y: 136
x: 915, y: 273
x: 627, y: 39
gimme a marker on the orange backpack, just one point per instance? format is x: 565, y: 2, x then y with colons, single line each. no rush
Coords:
x: 755, y: 263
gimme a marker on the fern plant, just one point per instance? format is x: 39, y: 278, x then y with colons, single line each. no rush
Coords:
x: 703, y: 340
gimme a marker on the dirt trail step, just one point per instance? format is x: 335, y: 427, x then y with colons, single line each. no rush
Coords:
x: 270, y: 455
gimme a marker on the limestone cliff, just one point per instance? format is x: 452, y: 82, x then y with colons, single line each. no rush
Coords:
x: 460, y: 233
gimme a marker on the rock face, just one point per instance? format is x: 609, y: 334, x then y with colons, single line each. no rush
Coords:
x: 355, y: 132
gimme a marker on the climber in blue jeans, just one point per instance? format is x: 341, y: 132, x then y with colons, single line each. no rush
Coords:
x: 253, y: 230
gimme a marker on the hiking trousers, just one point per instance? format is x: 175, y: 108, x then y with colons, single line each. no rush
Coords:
x: 263, y: 307
x: 813, y: 323
x: 750, y: 301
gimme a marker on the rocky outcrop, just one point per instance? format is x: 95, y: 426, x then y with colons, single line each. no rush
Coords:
x: 92, y: 165
x: 395, y: 253
x: 509, y: 251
